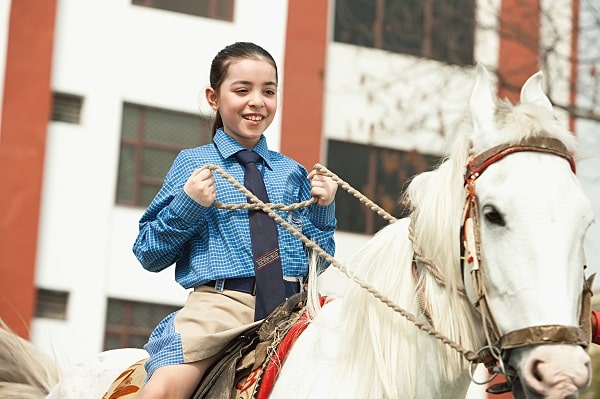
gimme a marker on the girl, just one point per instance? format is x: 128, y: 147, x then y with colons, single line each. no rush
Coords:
x: 212, y: 247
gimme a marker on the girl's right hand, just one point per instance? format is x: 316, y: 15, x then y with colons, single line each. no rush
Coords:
x: 201, y: 187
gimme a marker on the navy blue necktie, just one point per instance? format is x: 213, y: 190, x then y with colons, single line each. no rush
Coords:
x: 270, y: 287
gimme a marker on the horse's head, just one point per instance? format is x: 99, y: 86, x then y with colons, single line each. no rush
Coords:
x: 525, y: 222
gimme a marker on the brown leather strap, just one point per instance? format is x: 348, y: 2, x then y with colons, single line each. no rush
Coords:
x: 550, y: 334
x: 533, y: 144
x: 585, y: 319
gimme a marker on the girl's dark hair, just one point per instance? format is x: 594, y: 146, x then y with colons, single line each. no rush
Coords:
x: 220, y: 65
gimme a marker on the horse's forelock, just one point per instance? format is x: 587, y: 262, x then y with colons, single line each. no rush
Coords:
x: 515, y: 123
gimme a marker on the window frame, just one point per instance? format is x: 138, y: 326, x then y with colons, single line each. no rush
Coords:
x: 364, y: 167
x: 366, y: 23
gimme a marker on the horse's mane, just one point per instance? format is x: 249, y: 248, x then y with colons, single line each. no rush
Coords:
x: 384, y: 343
x: 25, y: 372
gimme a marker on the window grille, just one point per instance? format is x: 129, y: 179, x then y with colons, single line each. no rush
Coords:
x: 130, y: 323
x: 66, y: 108
x: 151, y: 138
x: 51, y: 304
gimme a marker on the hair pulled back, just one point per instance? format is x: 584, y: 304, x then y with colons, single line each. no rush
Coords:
x: 220, y: 66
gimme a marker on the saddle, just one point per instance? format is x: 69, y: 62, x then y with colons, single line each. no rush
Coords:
x: 240, y: 372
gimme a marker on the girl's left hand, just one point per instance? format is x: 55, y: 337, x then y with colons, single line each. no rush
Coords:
x: 322, y: 187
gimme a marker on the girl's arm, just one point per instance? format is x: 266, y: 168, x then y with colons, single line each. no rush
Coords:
x: 173, y: 217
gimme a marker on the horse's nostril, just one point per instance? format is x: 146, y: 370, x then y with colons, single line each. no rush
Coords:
x: 556, y: 371
x: 536, y: 371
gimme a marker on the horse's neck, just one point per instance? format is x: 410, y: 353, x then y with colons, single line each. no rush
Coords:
x: 358, y: 347
x: 319, y: 365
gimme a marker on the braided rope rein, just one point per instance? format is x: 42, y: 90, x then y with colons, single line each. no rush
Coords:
x: 269, y: 209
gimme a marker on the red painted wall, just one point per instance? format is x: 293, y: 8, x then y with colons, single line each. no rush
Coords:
x: 518, y: 56
x: 304, y: 70
x: 25, y: 115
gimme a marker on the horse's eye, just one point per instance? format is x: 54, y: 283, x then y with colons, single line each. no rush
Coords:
x: 492, y: 215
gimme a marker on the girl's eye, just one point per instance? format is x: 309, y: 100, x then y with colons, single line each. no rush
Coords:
x: 270, y: 92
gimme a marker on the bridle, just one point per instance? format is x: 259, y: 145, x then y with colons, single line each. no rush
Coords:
x: 500, y: 345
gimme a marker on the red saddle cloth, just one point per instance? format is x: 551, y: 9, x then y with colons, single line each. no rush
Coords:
x: 274, y: 365
x: 259, y: 383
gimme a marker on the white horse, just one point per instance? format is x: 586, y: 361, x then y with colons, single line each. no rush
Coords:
x: 507, y: 201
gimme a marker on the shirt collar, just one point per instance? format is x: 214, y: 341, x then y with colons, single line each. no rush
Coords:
x: 228, y: 146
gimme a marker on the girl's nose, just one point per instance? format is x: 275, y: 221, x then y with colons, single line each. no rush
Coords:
x: 256, y: 101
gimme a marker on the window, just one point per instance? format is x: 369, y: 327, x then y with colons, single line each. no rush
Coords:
x: 216, y: 9
x: 439, y: 30
x: 151, y: 138
x: 129, y: 324
x: 51, y: 304
x: 381, y: 174
x: 66, y: 108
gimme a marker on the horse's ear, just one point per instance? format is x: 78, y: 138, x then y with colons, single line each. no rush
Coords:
x: 481, y: 104
x: 533, y: 93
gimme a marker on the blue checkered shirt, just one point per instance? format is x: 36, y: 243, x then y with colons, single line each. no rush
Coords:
x: 209, y: 243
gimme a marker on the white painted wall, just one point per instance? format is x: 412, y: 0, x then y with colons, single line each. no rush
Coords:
x: 408, y: 94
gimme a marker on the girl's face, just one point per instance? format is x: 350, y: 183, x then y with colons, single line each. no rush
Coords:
x: 246, y: 100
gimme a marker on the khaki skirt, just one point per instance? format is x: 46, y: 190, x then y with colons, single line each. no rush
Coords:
x: 205, y: 325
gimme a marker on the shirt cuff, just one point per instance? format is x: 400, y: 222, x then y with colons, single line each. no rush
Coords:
x: 185, y: 208
x: 323, y: 216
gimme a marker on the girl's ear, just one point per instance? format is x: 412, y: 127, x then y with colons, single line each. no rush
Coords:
x: 211, y: 98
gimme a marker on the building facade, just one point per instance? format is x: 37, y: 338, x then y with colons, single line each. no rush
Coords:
x: 98, y: 97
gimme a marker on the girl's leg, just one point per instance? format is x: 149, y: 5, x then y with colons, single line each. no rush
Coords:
x: 175, y: 382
